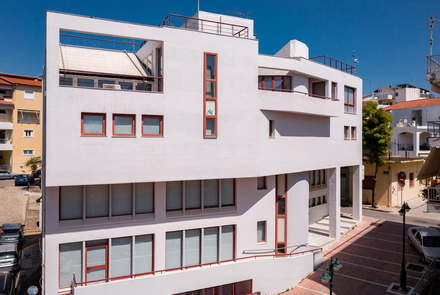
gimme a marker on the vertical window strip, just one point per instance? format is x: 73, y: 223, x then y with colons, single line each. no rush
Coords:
x: 210, y: 117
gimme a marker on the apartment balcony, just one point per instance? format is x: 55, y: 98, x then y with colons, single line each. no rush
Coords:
x: 433, y: 72
x: 292, y: 101
x: 434, y: 133
x: 5, y: 144
x: 204, y: 25
x: 6, y: 123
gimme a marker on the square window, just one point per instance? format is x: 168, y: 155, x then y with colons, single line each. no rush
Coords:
x: 28, y: 152
x: 92, y: 124
x: 123, y: 125
x: 353, y: 132
x: 28, y: 133
x: 29, y: 94
x: 261, y: 182
x: 152, y: 125
x: 261, y: 231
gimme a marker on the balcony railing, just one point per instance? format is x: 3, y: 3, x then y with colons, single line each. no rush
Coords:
x: 433, y: 62
x: 75, y: 283
x: 203, y: 25
x: 333, y: 63
x: 434, y: 129
x: 5, y: 141
x: 294, y: 91
x: 93, y: 42
x: 405, y: 147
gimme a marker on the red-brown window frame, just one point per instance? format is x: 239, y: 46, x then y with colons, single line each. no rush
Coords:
x: 280, y: 215
x: 272, y: 86
x: 350, y: 104
x: 205, y: 98
x: 133, y: 124
x: 346, y: 132
x: 264, y: 232
x: 97, y: 266
x: 160, y: 126
x: 103, y: 124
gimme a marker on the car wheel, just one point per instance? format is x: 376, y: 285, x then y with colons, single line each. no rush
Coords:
x: 423, y: 258
x: 16, y: 184
x: 409, y: 242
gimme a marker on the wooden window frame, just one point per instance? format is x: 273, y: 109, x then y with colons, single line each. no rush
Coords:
x: 206, y: 98
x: 160, y: 126
x: 350, y: 104
x: 272, y: 86
x: 103, y: 124
x: 133, y: 124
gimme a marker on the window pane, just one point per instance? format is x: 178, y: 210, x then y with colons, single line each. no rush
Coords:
x: 281, y: 202
x: 144, y: 197
x: 210, y: 126
x: 96, y: 200
x: 228, y: 192
x: 288, y: 82
x: 261, y: 182
x: 278, y: 82
x: 93, y: 124
x: 71, y: 202
x: 126, y: 85
x: 151, y: 125
x: 122, y: 199
x: 95, y: 275
x: 65, y: 81
x: 227, y: 247
x: 281, y: 185
x: 85, y: 82
x: 210, y: 88
x: 96, y: 256
x: 121, y: 257
x: 261, y: 231
x: 318, y: 176
x: 210, y: 245
x: 210, y: 108
x: 281, y: 224
x: 174, y: 250
x: 192, y: 247
x: 268, y: 83
x: 174, y: 195
x: 210, y: 67
x: 210, y: 192
x: 143, y: 254
x: 123, y: 125
x: 192, y: 194
x: 70, y: 263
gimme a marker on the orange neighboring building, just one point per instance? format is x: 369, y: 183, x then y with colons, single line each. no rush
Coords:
x: 21, y: 106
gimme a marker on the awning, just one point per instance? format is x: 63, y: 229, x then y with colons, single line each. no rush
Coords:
x: 431, y: 166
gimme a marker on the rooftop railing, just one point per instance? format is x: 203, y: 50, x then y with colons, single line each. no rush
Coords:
x: 93, y: 42
x: 203, y: 25
x: 433, y: 62
x: 333, y: 63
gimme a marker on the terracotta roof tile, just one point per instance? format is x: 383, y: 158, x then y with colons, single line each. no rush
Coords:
x: 414, y: 104
x: 11, y: 79
x: 6, y: 102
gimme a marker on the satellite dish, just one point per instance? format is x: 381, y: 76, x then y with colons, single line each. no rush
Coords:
x: 405, y: 121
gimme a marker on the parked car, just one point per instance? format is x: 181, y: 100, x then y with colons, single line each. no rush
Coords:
x: 9, y: 257
x: 23, y: 179
x: 7, y: 175
x: 12, y: 233
x: 7, y: 283
x: 426, y: 240
x: 36, y: 174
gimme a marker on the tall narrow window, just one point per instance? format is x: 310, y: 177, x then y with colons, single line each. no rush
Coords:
x: 96, y: 201
x: 227, y: 245
x: 193, y: 194
x: 121, y: 257
x: 261, y: 231
x: 210, y: 95
x: 70, y: 263
x: 210, y: 245
x: 353, y: 132
x: 411, y: 179
x: 143, y: 254
x: 159, y: 68
x: 173, y: 254
x: 122, y: 203
x: 71, y: 202
x: 144, y: 197
x: 210, y: 192
x: 174, y: 195
x: 346, y: 132
x: 349, y: 100
x: 281, y: 214
x: 192, y: 247
x: 228, y: 198
x: 334, y: 94
x: 271, y: 129
x: 261, y: 182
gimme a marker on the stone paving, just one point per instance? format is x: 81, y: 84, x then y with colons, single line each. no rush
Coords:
x: 371, y: 255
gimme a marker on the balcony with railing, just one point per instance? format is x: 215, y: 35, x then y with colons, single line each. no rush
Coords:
x: 433, y: 70
x: 333, y: 63
x: 204, y: 25
x: 434, y: 133
x: 5, y: 140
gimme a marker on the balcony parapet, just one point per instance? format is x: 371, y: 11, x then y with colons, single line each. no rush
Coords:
x: 203, y: 25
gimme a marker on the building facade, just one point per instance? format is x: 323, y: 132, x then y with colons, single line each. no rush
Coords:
x: 21, y: 106
x: 188, y: 156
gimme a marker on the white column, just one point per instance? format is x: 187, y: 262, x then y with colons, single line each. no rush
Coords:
x: 357, y: 193
x: 334, y: 202
x: 297, y: 209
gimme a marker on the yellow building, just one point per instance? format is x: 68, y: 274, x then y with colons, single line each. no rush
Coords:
x: 20, y: 121
x: 388, y: 190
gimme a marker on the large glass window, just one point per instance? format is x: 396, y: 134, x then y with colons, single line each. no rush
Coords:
x: 193, y: 194
x: 121, y: 257
x: 122, y: 203
x: 228, y: 192
x: 92, y: 124
x: 97, y: 201
x: 143, y: 254
x: 70, y: 263
x: 349, y: 100
x: 123, y: 125
x: 174, y: 195
x: 144, y: 197
x: 173, y: 255
x: 227, y: 246
x: 192, y: 247
x: 210, y: 192
x: 210, y: 245
x: 71, y: 202
x: 152, y: 126
x: 261, y: 231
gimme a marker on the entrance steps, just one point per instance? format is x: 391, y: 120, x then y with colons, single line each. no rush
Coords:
x: 319, y: 231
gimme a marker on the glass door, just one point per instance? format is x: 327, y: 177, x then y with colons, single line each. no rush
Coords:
x: 96, y: 261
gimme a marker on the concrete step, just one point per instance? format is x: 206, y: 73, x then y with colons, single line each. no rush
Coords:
x: 323, y: 229
x: 345, y: 220
x: 344, y: 225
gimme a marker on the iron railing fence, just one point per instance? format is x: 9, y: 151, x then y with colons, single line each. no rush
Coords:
x: 333, y: 63
x: 426, y: 279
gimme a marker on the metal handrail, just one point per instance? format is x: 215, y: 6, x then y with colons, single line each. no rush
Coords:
x: 426, y: 279
x: 334, y: 63
x: 294, y: 91
x: 191, y: 267
x: 114, y: 42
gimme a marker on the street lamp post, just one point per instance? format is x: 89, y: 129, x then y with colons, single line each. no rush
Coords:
x: 328, y: 273
x: 405, y: 208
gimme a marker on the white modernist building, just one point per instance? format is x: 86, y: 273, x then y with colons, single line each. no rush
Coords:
x: 190, y: 163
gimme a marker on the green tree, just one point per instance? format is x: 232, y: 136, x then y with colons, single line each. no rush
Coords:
x: 34, y: 163
x: 376, y: 136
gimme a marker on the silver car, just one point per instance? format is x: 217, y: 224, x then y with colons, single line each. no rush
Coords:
x: 7, y: 175
x: 426, y: 240
x: 9, y: 257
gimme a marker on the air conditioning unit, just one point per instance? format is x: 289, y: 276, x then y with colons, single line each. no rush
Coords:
x: 111, y: 86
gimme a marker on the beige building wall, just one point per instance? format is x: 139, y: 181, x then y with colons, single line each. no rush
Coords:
x: 32, y: 141
x: 388, y: 192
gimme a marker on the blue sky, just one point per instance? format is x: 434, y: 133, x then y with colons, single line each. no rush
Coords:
x: 390, y: 37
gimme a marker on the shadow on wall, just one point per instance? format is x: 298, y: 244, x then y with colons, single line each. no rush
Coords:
x: 290, y: 124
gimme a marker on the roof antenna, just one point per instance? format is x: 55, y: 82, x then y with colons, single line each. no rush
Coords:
x: 432, y: 26
x: 198, y: 6
x: 247, y: 15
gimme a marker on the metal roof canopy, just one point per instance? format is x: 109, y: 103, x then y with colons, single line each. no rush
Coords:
x: 431, y: 166
x: 121, y: 63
